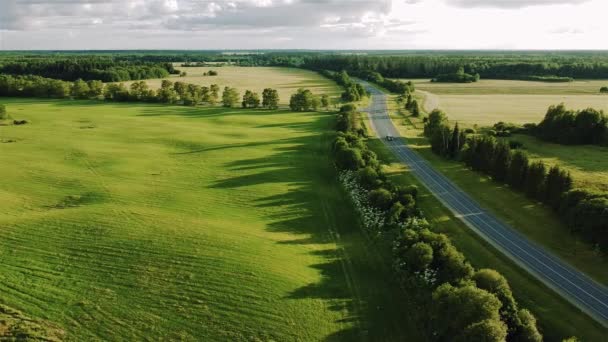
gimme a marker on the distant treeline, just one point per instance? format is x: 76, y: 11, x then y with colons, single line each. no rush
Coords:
x: 453, y: 301
x: 87, y: 68
x: 487, y: 67
x: 584, y: 211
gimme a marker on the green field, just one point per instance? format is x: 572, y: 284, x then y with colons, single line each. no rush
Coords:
x: 488, y: 101
x: 550, y: 309
x: 285, y: 80
x: 588, y: 164
x: 140, y: 221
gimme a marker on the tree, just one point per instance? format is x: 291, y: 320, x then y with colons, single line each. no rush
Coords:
x: 381, y: 198
x: 527, y: 330
x: 535, y: 180
x: 456, y: 142
x: 518, y: 170
x: 303, y: 101
x: 95, y: 89
x: 324, y: 101
x: 116, y: 92
x: 604, y: 90
x: 270, y: 98
x: 230, y: 97
x: 251, y: 99
x: 419, y: 256
x: 214, y: 94
x: 558, y: 182
x: 436, y: 119
x: 461, y: 309
x: 502, y: 161
x: 80, y: 89
x: 3, y: 113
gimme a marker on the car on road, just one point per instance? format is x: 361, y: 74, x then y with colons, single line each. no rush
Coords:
x: 389, y: 138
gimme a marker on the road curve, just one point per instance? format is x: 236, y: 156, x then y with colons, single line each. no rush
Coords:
x: 574, y: 286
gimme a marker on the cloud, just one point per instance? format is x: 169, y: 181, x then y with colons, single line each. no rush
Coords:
x: 511, y: 3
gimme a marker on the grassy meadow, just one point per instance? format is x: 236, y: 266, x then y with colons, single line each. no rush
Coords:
x: 141, y: 221
x: 588, y: 164
x: 285, y: 80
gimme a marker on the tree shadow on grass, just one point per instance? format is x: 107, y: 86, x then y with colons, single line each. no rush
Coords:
x: 355, y: 281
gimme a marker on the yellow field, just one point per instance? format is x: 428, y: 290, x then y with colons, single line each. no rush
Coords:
x: 578, y: 87
x: 485, y: 110
x: 285, y: 80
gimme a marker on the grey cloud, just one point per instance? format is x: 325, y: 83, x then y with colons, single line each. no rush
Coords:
x: 510, y: 3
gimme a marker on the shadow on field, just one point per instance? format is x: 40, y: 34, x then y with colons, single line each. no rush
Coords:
x: 355, y: 279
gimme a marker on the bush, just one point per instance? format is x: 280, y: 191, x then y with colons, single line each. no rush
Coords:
x: 604, y: 90
x: 381, y: 198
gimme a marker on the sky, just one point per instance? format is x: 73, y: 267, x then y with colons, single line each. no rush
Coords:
x: 303, y: 24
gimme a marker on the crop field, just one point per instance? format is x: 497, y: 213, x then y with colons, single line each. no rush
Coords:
x: 127, y: 221
x: 513, y: 87
x: 488, y: 101
x: 285, y: 80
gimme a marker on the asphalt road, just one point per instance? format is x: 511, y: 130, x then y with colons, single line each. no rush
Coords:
x: 573, y: 285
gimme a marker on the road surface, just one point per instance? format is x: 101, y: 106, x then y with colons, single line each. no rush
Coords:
x: 573, y: 285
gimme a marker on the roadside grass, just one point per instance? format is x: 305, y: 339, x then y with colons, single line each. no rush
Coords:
x: 558, y: 319
x: 588, y: 164
x: 285, y: 80
x: 141, y: 221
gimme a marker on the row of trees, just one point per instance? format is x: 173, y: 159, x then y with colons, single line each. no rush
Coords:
x: 169, y: 92
x: 87, y: 68
x: 587, y: 126
x: 584, y: 211
x: 353, y: 91
x: 394, y: 86
x: 453, y: 300
x: 411, y: 105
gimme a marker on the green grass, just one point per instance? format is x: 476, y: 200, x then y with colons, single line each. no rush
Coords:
x: 557, y: 318
x: 588, y: 164
x: 139, y: 221
x: 285, y: 80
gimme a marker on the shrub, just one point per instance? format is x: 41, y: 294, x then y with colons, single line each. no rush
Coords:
x: 604, y: 90
x: 381, y: 198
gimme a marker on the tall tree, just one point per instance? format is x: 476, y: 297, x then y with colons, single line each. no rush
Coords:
x: 230, y: 97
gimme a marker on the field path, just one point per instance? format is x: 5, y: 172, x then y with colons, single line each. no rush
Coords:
x: 574, y: 286
x: 431, y: 101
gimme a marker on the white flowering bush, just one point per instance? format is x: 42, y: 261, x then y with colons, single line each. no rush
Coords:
x: 373, y: 219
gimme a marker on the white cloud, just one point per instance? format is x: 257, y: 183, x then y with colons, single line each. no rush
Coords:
x: 312, y: 24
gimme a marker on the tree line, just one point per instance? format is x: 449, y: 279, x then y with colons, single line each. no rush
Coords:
x: 87, y: 68
x: 453, y: 301
x: 353, y: 91
x: 584, y: 127
x: 584, y: 211
x: 492, y: 66
x: 169, y: 92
